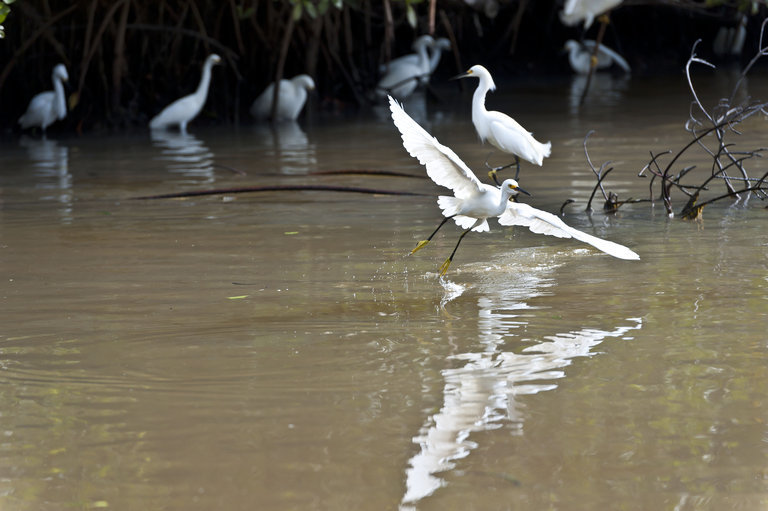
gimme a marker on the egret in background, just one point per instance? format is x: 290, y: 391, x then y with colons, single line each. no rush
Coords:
x: 402, y: 77
x: 580, y: 56
x: 474, y: 202
x: 49, y: 106
x: 585, y: 11
x: 183, y: 110
x: 502, y: 131
x: 292, y: 96
x: 436, y: 48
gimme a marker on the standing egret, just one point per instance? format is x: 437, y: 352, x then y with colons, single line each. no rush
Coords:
x: 580, y: 56
x: 292, y: 96
x: 436, y: 48
x: 183, y: 110
x: 49, y: 106
x: 474, y: 202
x: 502, y: 131
x: 578, y: 11
x: 402, y: 78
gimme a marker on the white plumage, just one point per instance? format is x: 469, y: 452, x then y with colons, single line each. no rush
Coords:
x: 580, y: 56
x: 436, y: 48
x: 499, y: 129
x: 578, y: 11
x: 293, y: 95
x: 474, y: 202
x: 183, y: 110
x: 47, y: 107
x: 403, y: 76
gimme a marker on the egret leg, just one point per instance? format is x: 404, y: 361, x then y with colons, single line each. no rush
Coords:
x: 447, y: 263
x: 424, y: 242
x: 493, y: 170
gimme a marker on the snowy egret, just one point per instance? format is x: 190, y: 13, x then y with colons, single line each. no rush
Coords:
x: 474, y: 202
x: 183, y: 110
x: 578, y: 11
x: 402, y: 77
x: 502, y: 131
x: 49, y: 106
x: 436, y: 48
x: 580, y: 56
x: 292, y: 96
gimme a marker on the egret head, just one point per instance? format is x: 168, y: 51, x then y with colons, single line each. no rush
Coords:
x: 305, y: 81
x: 571, y: 45
x: 60, y: 72
x: 510, y: 186
x: 423, y: 41
x: 442, y: 43
x: 214, y: 59
x: 478, y: 71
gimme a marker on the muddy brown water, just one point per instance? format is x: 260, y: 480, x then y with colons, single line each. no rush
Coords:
x: 283, y: 351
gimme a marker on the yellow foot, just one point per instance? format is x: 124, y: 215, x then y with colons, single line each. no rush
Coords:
x: 444, y: 266
x: 419, y: 246
x: 492, y: 175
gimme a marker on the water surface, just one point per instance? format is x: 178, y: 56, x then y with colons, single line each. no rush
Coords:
x: 281, y: 350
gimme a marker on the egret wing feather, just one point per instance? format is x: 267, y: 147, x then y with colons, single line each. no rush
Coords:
x: 543, y: 222
x: 444, y: 167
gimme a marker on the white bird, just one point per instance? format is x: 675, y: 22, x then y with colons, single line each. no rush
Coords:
x: 502, y: 131
x: 580, y: 56
x: 401, y: 79
x: 436, y: 49
x: 292, y: 96
x: 578, y: 11
x: 474, y: 202
x: 49, y: 106
x: 183, y: 110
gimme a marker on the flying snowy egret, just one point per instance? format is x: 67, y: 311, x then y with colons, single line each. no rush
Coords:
x: 580, y: 56
x: 502, y: 131
x: 49, y: 106
x: 578, y: 11
x: 402, y: 78
x: 183, y: 110
x: 292, y: 96
x: 474, y: 202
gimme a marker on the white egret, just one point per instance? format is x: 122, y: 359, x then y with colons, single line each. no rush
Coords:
x: 580, y: 56
x: 49, y: 106
x: 502, y: 131
x: 292, y: 96
x: 474, y: 202
x: 436, y: 48
x: 183, y: 110
x: 578, y: 11
x: 401, y: 79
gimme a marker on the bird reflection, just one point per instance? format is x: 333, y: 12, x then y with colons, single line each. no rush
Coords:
x: 186, y: 155
x: 51, y: 169
x: 480, y: 393
x: 289, y: 146
x: 605, y: 90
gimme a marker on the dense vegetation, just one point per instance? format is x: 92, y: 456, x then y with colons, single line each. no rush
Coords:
x: 128, y: 58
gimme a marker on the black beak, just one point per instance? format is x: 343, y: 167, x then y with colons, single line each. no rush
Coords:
x: 462, y: 75
x: 523, y: 191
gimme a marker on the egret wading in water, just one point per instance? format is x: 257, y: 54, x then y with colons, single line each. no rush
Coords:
x: 183, y: 110
x: 291, y: 99
x: 474, y: 202
x: 47, y: 107
x: 403, y: 76
x: 500, y: 130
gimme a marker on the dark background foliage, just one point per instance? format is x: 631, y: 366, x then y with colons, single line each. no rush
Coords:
x: 129, y: 58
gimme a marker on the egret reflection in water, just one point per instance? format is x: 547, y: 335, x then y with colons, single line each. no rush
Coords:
x: 481, y: 394
x: 605, y: 89
x: 185, y: 154
x: 288, y: 145
x: 50, y: 162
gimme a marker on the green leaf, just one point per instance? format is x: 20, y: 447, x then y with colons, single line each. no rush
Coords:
x: 311, y: 10
x: 4, y: 11
x: 322, y: 7
x: 9, y: 2
x: 338, y: 4
x: 297, y: 11
x: 411, y: 15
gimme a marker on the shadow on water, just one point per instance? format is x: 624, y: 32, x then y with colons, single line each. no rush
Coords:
x: 481, y: 394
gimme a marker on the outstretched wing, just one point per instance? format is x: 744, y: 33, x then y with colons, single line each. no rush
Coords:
x: 443, y: 166
x: 542, y: 222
